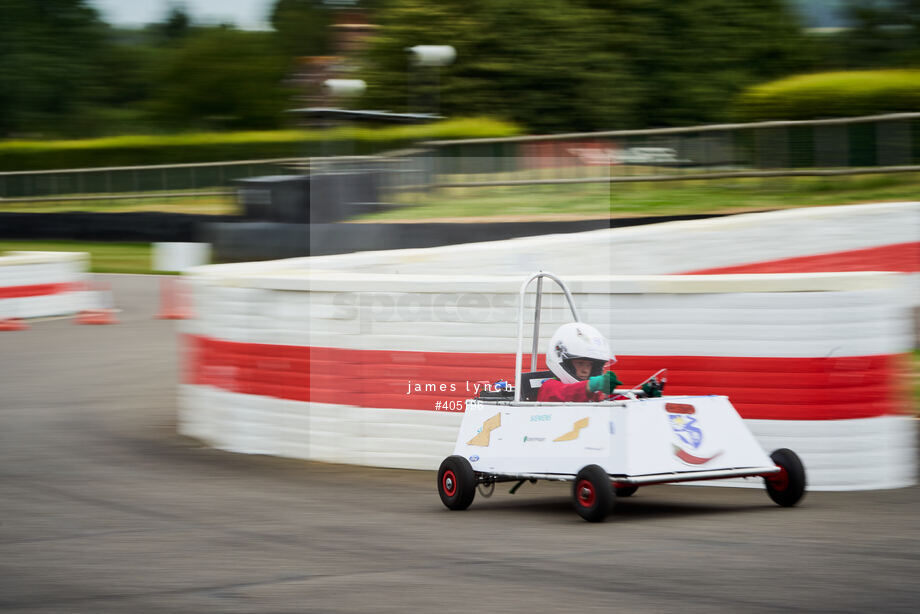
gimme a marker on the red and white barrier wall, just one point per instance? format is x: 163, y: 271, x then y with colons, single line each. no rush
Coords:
x: 332, y: 375
x: 873, y: 237
x: 354, y: 358
x: 39, y: 284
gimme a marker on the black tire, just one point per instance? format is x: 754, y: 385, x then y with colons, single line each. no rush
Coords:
x: 456, y: 482
x: 625, y: 491
x: 787, y: 487
x: 592, y: 494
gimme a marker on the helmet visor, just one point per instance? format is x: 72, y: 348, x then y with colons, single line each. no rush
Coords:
x: 597, y: 367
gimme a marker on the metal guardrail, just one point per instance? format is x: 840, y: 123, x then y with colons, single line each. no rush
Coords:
x: 839, y: 121
x: 169, y: 181
x: 166, y: 181
x: 153, y: 167
x: 875, y: 144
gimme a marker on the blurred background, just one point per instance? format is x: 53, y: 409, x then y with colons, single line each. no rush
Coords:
x: 85, y: 68
x: 125, y: 106
x: 578, y: 108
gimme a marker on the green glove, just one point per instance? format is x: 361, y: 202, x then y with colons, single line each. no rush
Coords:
x: 652, y: 388
x: 605, y: 382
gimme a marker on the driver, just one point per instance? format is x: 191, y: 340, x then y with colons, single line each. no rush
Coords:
x: 578, y: 356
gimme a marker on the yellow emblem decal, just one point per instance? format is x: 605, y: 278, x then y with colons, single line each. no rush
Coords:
x: 482, y: 438
x: 573, y: 434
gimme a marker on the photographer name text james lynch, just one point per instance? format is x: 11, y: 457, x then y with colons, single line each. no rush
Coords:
x: 473, y: 387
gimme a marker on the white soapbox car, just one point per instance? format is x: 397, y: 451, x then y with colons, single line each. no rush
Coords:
x: 608, y: 449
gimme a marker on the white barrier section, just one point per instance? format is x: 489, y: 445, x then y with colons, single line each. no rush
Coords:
x: 365, y: 358
x: 176, y: 256
x: 667, y: 248
x: 350, y: 367
x: 40, y: 284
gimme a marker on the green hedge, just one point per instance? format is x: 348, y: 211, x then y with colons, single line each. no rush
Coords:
x: 833, y: 94
x: 134, y: 150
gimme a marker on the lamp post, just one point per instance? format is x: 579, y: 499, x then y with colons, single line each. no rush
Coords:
x: 435, y: 56
x: 345, y: 88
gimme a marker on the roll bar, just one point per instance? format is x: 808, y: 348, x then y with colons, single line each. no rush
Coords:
x: 536, y: 324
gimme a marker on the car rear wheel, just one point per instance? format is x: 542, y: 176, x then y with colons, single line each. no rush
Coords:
x: 787, y: 487
x: 456, y: 482
x: 592, y: 494
x: 625, y: 491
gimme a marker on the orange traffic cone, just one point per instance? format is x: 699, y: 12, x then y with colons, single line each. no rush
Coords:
x: 13, y: 324
x: 104, y: 313
x: 173, y: 300
x: 96, y: 316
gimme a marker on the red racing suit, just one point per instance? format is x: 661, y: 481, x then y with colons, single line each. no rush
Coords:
x: 552, y: 390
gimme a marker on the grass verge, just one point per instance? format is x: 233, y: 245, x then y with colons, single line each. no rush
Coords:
x: 650, y: 199
x: 104, y: 257
x: 206, y: 205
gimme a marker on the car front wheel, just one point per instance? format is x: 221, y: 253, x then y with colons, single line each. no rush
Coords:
x: 787, y: 487
x: 592, y: 493
x: 456, y: 483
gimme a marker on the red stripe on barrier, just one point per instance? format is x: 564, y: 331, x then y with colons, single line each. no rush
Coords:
x: 39, y: 289
x: 766, y: 388
x: 900, y: 257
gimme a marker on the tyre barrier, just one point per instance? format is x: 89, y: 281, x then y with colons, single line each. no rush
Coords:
x: 366, y: 358
x: 372, y: 368
x: 143, y: 226
x: 41, y: 284
x: 879, y: 237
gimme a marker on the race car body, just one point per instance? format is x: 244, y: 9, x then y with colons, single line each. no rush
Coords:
x: 606, y: 448
x: 637, y: 441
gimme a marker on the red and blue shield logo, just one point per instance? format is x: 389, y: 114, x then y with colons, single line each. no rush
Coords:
x: 688, y: 433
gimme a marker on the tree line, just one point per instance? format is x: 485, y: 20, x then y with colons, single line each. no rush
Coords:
x: 553, y: 65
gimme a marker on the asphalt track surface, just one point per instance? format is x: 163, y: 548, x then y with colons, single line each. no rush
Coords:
x: 103, y: 508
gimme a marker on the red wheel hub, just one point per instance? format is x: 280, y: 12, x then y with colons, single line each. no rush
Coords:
x: 449, y: 483
x: 780, y: 481
x: 585, y: 493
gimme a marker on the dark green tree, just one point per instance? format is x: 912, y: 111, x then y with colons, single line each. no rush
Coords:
x: 545, y: 64
x: 177, y: 25
x: 690, y: 57
x: 585, y: 64
x: 302, y: 27
x: 222, y: 78
x: 882, y: 34
x: 50, y: 57
x: 877, y: 34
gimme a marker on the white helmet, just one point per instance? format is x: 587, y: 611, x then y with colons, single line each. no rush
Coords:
x: 577, y: 340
